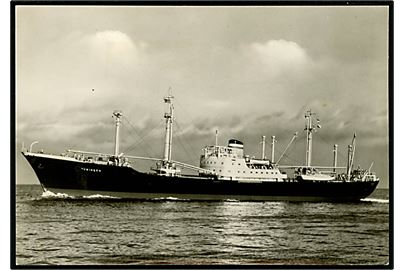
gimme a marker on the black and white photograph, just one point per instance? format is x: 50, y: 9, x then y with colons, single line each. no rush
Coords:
x: 197, y: 135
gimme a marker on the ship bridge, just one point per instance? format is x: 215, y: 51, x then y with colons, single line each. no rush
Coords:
x: 233, y: 150
x: 230, y: 163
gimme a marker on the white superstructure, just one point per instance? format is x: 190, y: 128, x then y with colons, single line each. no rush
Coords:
x: 230, y: 163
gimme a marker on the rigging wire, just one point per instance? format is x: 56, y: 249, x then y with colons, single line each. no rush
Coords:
x: 81, y: 144
x: 182, y: 145
x: 339, y: 153
x: 135, y: 144
x: 186, y: 141
x: 188, y: 144
x: 140, y: 138
x: 293, y: 149
x: 144, y: 144
x: 294, y: 146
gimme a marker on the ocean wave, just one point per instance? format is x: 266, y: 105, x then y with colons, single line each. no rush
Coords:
x: 50, y: 195
x: 169, y: 199
x: 231, y: 200
x: 99, y: 196
x: 375, y: 200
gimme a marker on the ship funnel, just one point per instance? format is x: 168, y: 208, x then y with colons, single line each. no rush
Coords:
x: 235, y: 143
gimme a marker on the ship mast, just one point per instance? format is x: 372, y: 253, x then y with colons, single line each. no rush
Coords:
x: 354, y: 149
x: 309, y: 129
x: 350, y: 156
x: 263, y: 147
x: 273, y: 141
x: 335, y: 152
x: 117, y: 114
x: 167, y: 155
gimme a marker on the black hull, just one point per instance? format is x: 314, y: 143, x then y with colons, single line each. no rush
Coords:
x: 85, y: 178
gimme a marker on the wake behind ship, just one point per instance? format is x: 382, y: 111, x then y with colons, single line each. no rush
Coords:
x: 225, y: 172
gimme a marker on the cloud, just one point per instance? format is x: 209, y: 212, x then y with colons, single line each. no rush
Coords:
x: 77, y: 71
x: 115, y: 46
x: 281, y: 56
x: 113, y: 40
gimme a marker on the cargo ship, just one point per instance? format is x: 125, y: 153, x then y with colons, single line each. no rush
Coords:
x: 225, y: 172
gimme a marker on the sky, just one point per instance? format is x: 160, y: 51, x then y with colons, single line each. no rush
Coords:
x: 246, y: 71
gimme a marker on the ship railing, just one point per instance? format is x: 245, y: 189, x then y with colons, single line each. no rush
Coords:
x: 180, y: 164
x: 101, y: 158
x: 303, y: 166
x: 88, y: 153
x: 217, y: 150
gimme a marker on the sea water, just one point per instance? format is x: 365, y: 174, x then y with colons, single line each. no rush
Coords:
x: 56, y: 229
